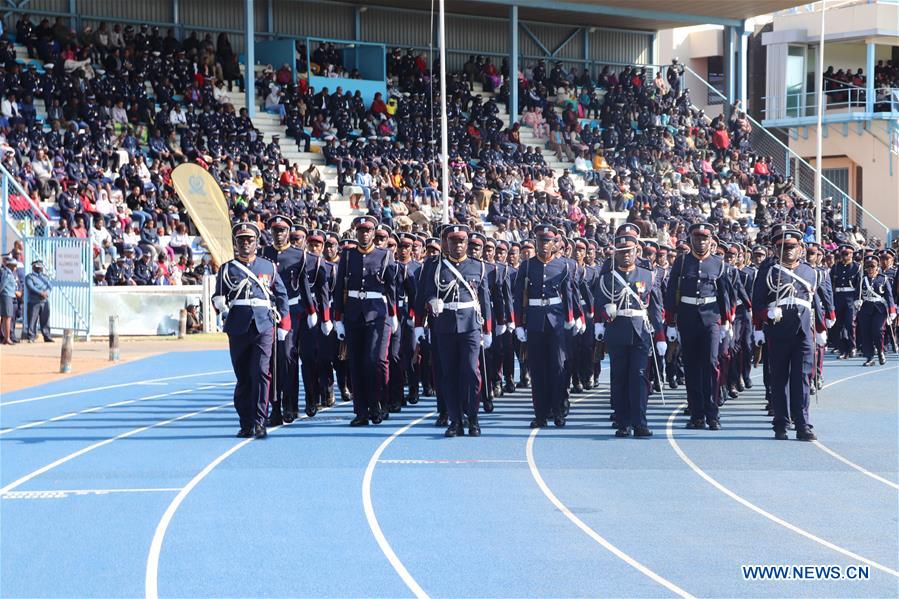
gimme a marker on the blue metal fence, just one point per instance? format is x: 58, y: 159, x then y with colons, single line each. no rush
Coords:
x: 21, y: 217
x: 69, y: 263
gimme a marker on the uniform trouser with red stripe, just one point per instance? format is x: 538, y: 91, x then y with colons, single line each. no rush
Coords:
x: 310, y: 351
x: 397, y: 378
x: 508, y: 354
x: 870, y: 331
x: 251, y: 354
x: 367, y: 347
x: 460, y: 371
x: 699, y: 349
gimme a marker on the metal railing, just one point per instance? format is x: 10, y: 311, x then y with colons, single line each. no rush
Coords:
x: 850, y: 99
x: 791, y: 164
x: 21, y: 216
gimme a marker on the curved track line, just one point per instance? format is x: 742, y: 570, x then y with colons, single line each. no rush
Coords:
x: 607, y: 545
x: 746, y: 503
x: 386, y: 549
x: 99, y: 444
x: 151, y: 578
x: 116, y: 386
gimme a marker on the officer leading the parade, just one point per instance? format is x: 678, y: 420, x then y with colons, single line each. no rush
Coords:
x: 252, y: 294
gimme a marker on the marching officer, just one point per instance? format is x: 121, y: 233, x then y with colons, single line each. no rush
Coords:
x: 877, y: 309
x: 311, y: 338
x: 249, y: 289
x: 748, y: 275
x: 544, y: 310
x: 365, y: 316
x: 786, y: 317
x: 697, y: 307
x: 287, y: 259
x: 888, y: 267
x: 814, y: 255
x: 401, y: 344
x: 39, y: 287
x: 457, y: 297
x: 845, y: 276
x: 628, y: 315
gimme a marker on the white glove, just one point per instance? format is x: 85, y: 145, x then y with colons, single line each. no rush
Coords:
x: 418, y: 335
x: 341, y: 332
x: 661, y: 348
x: 611, y: 310
x: 569, y: 325
x: 436, y: 306
x: 521, y: 334
x: 579, y: 326
x: 758, y: 337
x: 394, y: 323
x: 891, y: 318
x: 500, y: 329
x: 729, y: 329
x: 218, y: 302
x: 775, y: 314
x: 312, y: 320
x: 857, y: 304
x: 410, y: 322
x: 599, y: 331
x: 829, y: 322
x: 282, y: 334
x: 821, y: 338
x: 327, y: 327
x: 487, y: 340
x: 671, y: 333
x: 722, y: 333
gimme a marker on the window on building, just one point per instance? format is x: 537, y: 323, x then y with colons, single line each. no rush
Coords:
x: 716, y: 79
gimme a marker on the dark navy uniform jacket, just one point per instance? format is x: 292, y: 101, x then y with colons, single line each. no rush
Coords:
x: 798, y: 300
x: 704, y: 281
x: 623, y: 329
x: 406, y: 287
x: 585, y: 278
x: 544, y: 295
x: 365, y: 290
x: 740, y: 298
x: 290, y: 269
x: 456, y: 318
x: 877, y: 296
x: 845, y: 279
x: 247, y: 302
x: 315, y: 273
x: 500, y: 292
x: 825, y: 294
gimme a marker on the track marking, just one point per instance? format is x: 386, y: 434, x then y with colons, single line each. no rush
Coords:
x: 607, y: 545
x: 386, y: 549
x: 452, y: 461
x: 116, y: 386
x: 746, y: 503
x: 64, y: 493
x: 99, y: 444
x: 151, y: 579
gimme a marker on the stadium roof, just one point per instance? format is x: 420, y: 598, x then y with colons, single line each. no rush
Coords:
x: 651, y: 15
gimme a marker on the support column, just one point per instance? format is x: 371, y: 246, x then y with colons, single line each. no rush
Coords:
x: 729, y: 65
x: 250, y: 53
x: 357, y: 23
x: 869, y: 78
x: 513, y: 64
x: 75, y: 20
x: 176, y: 19
x: 586, y: 31
x: 270, y: 19
x: 742, y: 70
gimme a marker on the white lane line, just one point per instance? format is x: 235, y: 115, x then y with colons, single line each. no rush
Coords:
x: 452, y: 461
x: 63, y: 493
x: 757, y: 509
x: 386, y: 549
x: 116, y: 386
x: 89, y: 448
x: 598, y: 538
x: 151, y: 579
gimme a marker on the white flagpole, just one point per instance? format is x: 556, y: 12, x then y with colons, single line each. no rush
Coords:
x: 444, y: 143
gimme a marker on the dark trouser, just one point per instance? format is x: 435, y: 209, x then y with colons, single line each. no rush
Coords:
x: 251, y: 354
x: 546, y: 360
x: 437, y: 368
x: 367, y: 347
x: 740, y: 347
x: 844, y: 329
x: 311, y: 356
x: 790, y: 362
x: 408, y: 360
x: 699, y: 348
x: 461, y: 375
x: 395, y: 364
x: 38, y: 312
x: 627, y: 370
x: 508, y: 354
x: 583, y: 355
x: 870, y: 331
x: 523, y: 372
x: 286, y: 388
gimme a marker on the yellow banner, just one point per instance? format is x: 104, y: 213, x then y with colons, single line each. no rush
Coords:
x: 207, y: 207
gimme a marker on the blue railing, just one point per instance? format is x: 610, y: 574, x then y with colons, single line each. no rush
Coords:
x: 21, y: 216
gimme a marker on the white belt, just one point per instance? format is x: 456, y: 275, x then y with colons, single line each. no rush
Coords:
x: 631, y: 313
x: 877, y: 300
x: 549, y: 301
x: 256, y: 302
x: 459, y: 305
x: 294, y: 301
x: 844, y: 289
x: 739, y: 302
x: 699, y: 301
x: 792, y: 301
x: 401, y: 303
x: 365, y: 294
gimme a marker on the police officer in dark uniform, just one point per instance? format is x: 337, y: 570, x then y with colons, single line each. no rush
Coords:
x: 407, y: 280
x: 888, y: 267
x: 814, y: 255
x: 877, y: 310
x: 249, y: 289
x: 697, y: 306
x: 311, y: 343
x: 544, y: 310
x: 786, y: 317
x: 38, y: 286
x: 458, y: 302
x: 628, y: 316
x: 845, y: 276
x: 365, y: 316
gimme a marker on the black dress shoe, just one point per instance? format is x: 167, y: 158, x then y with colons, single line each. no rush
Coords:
x: 377, y: 417
x: 559, y: 421
x: 621, y: 433
x: 805, y: 435
x: 245, y: 433
x: 732, y: 393
x: 454, y: 430
x: 588, y: 386
x: 672, y: 384
x: 740, y: 387
x: 577, y: 388
x: 881, y: 358
x: 49, y: 339
x: 642, y: 432
x: 288, y: 418
x: 869, y: 362
x: 311, y: 411
x: 412, y: 399
x: 523, y: 384
x: 686, y: 411
x: 345, y: 395
x: 696, y: 424
x: 852, y: 353
x: 714, y: 425
x: 359, y: 421
x: 497, y: 389
x: 566, y: 407
x: 747, y: 383
x: 259, y: 432
x: 656, y: 387
x: 819, y: 382
x: 510, y: 387
x: 780, y: 435
x: 680, y: 380
x: 442, y: 420
x: 474, y: 429
x: 394, y: 408
x: 274, y: 420
x: 538, y: 423
x: 812, y: 390
x: 488, y: 406
x: 428, y: 391
x: 329, y: 397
